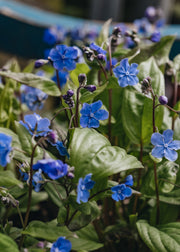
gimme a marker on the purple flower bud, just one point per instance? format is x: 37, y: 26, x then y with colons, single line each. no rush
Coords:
x: 70, y: 175
x: 117, y: 31
x: 163, y: 100
x: 155, y: 36
x: 40, y: 244
x: 150, y: 13
x: 82, y: 78
x: 127, y: 33
x: 40, y: 62
x: 90, y: 88
x: 70, y: 93
x: 52, y: 137
x: 101, y: 57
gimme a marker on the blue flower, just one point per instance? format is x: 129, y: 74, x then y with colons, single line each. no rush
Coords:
x: 82, y: 189
x: 91, y: 114
x: 129, y: 180
x: 126, y: 73
x: 54, y: 35
x: 61, y: 245
x: 33, y: 97
x: 97, y: 48
x: 63, y: 57
x: 55, y: 169
x: 164, y: 145
x: 36, y: 125
x: 37, y: 178
x: 24, y: 175
x: 143, y: 26
x: 114, y: 62
x: 155, y: 36
x: 5, y: 149
x: 63, y: 76
x: 120, y: 192
x: 62, y: 150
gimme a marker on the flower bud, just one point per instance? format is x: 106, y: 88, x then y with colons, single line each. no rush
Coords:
x: 117, y: 31
x: 40, y: 62
x: 90, y: 88
x: 101, y: 57
x: 155, y: 36
x: 163, y: 100
x: 52, y: 137
x: 70, y: 93
x: 150, y: 13
x: 82, y: 78
x: 70, y: 175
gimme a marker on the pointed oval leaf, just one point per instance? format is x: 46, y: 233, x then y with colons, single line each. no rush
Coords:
x: 7, y: 244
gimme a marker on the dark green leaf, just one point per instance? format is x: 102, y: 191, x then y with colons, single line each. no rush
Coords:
x: 90, y: 152
x: 46, y: 85
x: 159, y: 50
x: 88, y: 96
x: 7, y: 244
x: 165, y: 238
x: 83, y: 244
x: 8, y: 179
x: 53, y: 191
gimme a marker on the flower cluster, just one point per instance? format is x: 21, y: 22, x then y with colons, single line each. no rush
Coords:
x: 61, y: 245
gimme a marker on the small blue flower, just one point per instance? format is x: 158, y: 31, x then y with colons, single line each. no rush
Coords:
x: 97, y: 48
x: 54, y: 35
x: 82, y: 189
x: 63, y: 57
x: 33, y: 97
x: 24, y: 175
x: 120, y: 192
x: 36, y: 125
x: 63, y: 76
x: 155, y: 36
x: 143, y: 26
x: 126, y: 73
x: 5, y: 149
x: 62, y: 150
x: 91, y: 114
x: 129, y: 180
x: 55, y: 169
x: 61, y: 245
x: 164, y: 145
x: 37, y: 178
x: 114, y: 62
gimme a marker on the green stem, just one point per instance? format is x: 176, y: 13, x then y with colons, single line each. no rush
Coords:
x: 77, y: 107
x: 59, y: 111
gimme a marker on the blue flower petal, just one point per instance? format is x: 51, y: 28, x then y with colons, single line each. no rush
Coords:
x: 93, y: 123
x: 86, y: 109
x: 31, y: 121
x: 158, y: 152
x: 157, y: 139
x: 115, y: 197
x: 171, y: 155
x: 54, y: 55
x: 85, y: 196
x: 168, y: 135
x: 133, y: 69
x: 96, y: 105
x: 127, y: 191
x: 61, y: 49
x: 101, y: 114
x: 124, y: 63
x: 70, y: 64
x: 175, y: 145
x: 58, y: 64
x: 123, y: 82
x: 84, y: 120
x: 129, y: 180
x: 71, y: 53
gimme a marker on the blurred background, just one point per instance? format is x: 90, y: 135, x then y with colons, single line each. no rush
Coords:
x: 22, y: 22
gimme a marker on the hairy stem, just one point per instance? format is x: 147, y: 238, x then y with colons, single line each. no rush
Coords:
x: 174, y: 98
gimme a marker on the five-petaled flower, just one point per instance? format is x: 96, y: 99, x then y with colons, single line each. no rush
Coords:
x: 36, y: 125
x: 61, y: 245
x: 63, y: 57
x: 120, y: 192
x: 91, y: 114
x: 5, y: 149
x: 82, y: 189
x: 164, y: 145
x: 55, y: 169
x: 126, y: 73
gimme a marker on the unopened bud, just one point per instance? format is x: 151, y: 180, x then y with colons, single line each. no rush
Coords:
x: 52, y: 137
x: 40, y: 62
x: 70, y: 93
x: 163, y: 100
x: 117, y: 31
x: 82, y: 78
x: 90, y: 88
x: 101, y: 57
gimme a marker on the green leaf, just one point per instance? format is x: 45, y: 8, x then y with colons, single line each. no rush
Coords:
x: 7, y: 244
x: 104, y: 33
x: 90, y: 152
x: 88, y: 96
x: 48, y: 231
x: 53, y: 191
x: 82, y: 244
x: 159, y: 50
x: 137, y: 108
x: 8, y: 179
x: 80, y: 68
x: 165, y: 238
x: 46, y: 85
